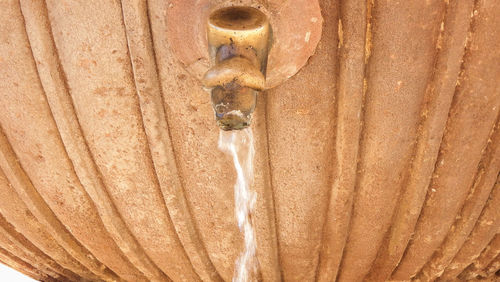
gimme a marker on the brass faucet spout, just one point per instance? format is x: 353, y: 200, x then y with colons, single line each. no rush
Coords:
x: 238, y: 40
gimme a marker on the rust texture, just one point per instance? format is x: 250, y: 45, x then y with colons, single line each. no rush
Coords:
x: 377, y: 142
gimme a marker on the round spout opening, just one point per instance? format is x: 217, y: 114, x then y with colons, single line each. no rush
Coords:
x: 238, y: 18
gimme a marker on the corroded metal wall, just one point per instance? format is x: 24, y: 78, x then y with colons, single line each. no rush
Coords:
x: 378, y: 160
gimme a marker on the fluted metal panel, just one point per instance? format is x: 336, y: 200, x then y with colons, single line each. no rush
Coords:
x: 378, y: 160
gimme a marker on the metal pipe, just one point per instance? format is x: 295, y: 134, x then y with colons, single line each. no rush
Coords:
x: 238, y: 41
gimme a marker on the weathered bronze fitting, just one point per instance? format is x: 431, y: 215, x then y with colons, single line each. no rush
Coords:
x: 238, y: 40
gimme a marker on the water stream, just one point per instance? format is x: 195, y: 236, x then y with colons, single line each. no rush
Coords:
x: 240, y: 145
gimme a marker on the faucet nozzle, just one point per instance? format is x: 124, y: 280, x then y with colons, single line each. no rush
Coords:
x: 238, y: 40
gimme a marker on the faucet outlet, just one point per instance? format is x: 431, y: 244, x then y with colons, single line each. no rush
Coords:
x: 238, y: 42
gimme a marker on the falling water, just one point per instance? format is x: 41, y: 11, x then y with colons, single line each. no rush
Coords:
x: 239, y: 144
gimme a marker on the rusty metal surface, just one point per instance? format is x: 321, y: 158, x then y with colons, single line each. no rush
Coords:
x: 377, y: 160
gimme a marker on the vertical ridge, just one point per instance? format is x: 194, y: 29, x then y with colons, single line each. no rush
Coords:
x: 100, y: 76
x: 59, y: 99
x: 206, y: 177
x: 475, y: 106
x: 17, y: 213
x: 484, y: 231
x: 264, y: 218
x: 354, y: 17
x: 368, y: 36
x: 269, y: 164
x: 155, y: 122
x: 301, y: 123
x: 45, y: 159
x: 487, y: 262
x: 396, y: 83
x: 434, y: 114
x: 39, y: 208
x: 484, y: 181
x: 25, y: 268
x: 12, y: 243
x: 493, y: 269
x: 271, y: 181
x: 12, y: 25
